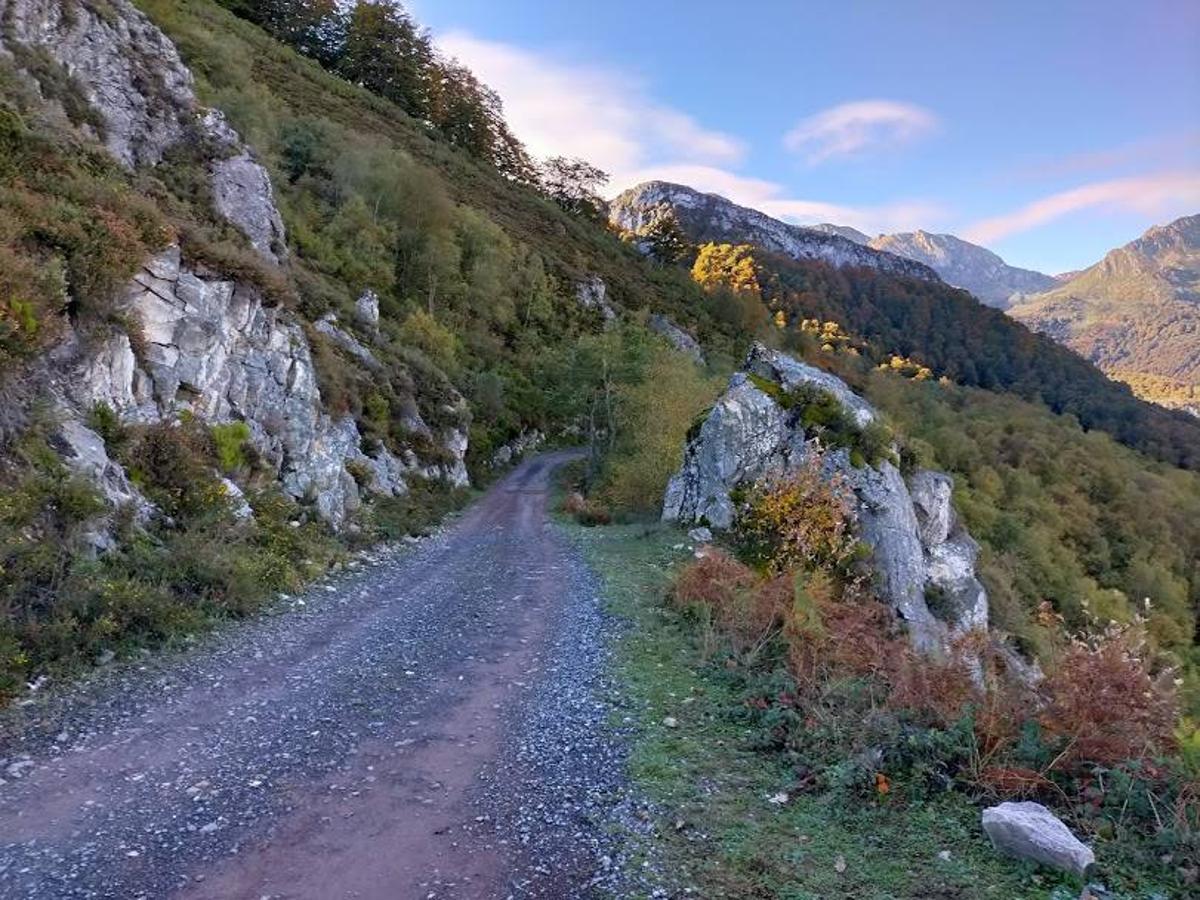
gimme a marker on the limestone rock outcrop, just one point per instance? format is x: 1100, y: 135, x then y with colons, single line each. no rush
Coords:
x: 212, y: 347
x: 115, y: 59
x: 592, y: 293
x: 677, y: 337
x: 201, y: 341
x: 134, y: 79
x: 919, y: 549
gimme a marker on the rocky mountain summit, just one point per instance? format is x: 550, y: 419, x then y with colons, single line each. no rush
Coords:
x: 850, y: 234
x: 920, y: 548
x: 1136, y: 313
x: 199, y: 341
x: 709, y: 217
x: 966, y: 265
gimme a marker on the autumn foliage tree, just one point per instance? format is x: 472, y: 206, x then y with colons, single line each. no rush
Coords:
x: 727, y: 265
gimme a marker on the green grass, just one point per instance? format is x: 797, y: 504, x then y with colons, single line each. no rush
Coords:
x: 705, y: 774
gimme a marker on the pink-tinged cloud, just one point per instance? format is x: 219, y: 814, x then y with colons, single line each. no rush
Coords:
x: 601, y: 115
x: 607, y: 118
x: 1161, y: 195
x: 859, y: 127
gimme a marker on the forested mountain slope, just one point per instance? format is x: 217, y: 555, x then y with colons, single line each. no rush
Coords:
x: 1135, y: 314
x: 920, y: 317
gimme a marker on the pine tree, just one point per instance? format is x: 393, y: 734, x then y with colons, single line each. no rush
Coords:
x: 666, y: 241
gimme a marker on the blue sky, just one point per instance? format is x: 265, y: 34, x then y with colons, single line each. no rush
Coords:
x: 1049, y: 132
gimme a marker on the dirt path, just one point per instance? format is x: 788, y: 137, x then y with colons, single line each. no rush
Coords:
x: 427, y: 725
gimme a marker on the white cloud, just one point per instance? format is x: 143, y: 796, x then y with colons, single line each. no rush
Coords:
x: 1161, y: 195
x: 595, y: 113
x: 609, y: 119
x: 853, y: 128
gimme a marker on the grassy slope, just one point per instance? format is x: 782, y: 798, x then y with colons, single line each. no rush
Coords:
x: 573, y: 247
x: 704, y: 773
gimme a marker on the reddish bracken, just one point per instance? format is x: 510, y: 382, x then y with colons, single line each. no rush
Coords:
x: 1104, y: 704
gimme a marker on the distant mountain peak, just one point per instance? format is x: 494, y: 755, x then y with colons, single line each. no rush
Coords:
x: 711, y: 217
x: 1136, y: 313
x: 966, y: 265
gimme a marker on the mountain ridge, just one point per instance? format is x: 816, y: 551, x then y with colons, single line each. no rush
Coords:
x: 966, y: 265
x: 711, y: 217
x: 1135, y: 313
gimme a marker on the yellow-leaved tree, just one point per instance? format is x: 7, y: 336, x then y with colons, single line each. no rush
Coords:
x: 653, y: 421
x: 727, y: 265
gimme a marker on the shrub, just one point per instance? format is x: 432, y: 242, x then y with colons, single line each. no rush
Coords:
x: 584, y: 510
x: 229, y: 442
x: 801, y: 520
x: 1104, y: 706
x: 431, y: 337
x: 653, y: 420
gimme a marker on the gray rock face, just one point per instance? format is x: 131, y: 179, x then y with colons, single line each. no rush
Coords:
x: 366, y: 311
x: 134, y: 79
x: 525, y: 442
x: 916, y: 540
x: 84, y: 453
x: 213, y: 348
x: 1030, y: 831
x: 327, y: 325
x: 592, y: 293
x: 242, y: 194
x: 743, y: 439
x: 678, y: 338
x: 966, y: 265
x: 131, y: 73
x: 950, y: 554
x: 709, y: 217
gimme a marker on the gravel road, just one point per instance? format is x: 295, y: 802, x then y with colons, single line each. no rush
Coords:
x: 429, y: 723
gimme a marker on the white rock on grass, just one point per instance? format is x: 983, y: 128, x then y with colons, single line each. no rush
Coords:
x: 1030, y: 831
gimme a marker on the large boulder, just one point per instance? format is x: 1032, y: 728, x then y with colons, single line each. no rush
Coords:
x: 918, y: 547
x: 1030, y: 831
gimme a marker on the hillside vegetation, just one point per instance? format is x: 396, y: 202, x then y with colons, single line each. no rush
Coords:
x: 477, y: 273
x: 1135, y: 314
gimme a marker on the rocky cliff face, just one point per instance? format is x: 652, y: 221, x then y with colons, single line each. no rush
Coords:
x: 920, y: 549
x: 850, y: 234
x: 966, y: 265
x: 135, y: 82
x: 200, y: 341
x: 708, y: 217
